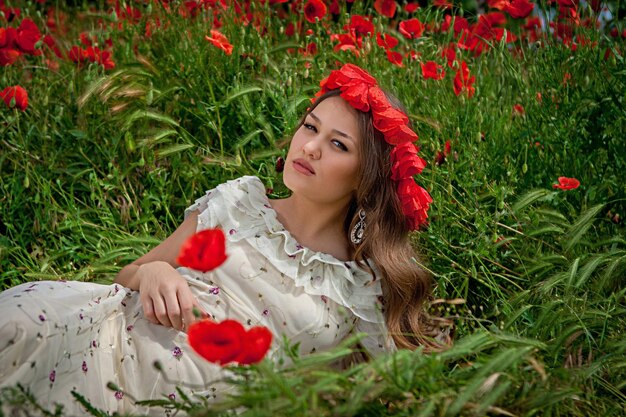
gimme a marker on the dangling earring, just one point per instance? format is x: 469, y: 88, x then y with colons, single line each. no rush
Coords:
x: 358, y: 231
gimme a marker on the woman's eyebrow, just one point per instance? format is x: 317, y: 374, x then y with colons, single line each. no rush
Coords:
x: 339, y: 132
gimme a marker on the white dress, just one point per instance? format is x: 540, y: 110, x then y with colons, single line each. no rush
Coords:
x: 59, y: 336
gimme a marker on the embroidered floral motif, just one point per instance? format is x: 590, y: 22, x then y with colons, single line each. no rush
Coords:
x: 177, y: 352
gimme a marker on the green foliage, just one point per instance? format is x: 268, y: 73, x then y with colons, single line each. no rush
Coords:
x: 101, y: 165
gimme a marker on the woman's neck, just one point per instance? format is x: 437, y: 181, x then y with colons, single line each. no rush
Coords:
x: 317, y: 226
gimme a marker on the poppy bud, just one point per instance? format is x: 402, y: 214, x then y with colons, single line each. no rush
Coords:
x: 280, y: 164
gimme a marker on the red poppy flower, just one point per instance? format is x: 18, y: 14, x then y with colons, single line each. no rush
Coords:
x: 104, y: 58
x: 8, y: 56
x: 415, y: 202
x: 518, y: 109
x: 443, y: 4
x: 228, y: 341
x: 394, y: 57
x: 389, y: 118
x: 386, y: 41
x: 15, y: 95
x: 256, y: 343
x: 449, y: 52
x: 411, y: 7
x: 217, y: 342
x: 204, y: 251
x: 412, y: 28
x: 27, y: 36
x: 463, y: 82
x: 219, y: 40
x: 567, y: 183
x: 457, y: 22
x: 385, y: 7
x: 432, y: 70
x: 314, y: 10
x: 361, y: 25
x: 405, y: 161
x: 49, y: 40
x: 518, y: 9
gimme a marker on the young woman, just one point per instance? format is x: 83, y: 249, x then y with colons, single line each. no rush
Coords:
x: 331, y: 259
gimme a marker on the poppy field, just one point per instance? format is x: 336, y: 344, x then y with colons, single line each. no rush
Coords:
x: 115, y: 115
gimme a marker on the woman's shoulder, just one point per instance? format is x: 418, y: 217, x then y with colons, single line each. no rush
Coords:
x: 235, y: 191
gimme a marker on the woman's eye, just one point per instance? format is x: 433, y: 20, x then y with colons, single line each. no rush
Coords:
x: 310, y: 127
x: 339, y: 145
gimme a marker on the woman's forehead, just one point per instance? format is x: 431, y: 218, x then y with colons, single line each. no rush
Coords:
x: 336, y: 112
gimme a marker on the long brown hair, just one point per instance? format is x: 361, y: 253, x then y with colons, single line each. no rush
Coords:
x: 406, y: 286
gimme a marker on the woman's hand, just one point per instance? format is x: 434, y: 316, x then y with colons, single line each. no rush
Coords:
x: 165, y: 295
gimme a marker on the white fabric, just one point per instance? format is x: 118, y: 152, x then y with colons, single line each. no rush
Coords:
x: 66, y: 335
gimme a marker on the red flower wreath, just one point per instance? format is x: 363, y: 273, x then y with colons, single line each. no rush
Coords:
x: 361, y: 90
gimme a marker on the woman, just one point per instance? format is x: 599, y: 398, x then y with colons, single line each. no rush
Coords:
x: 331, y: 259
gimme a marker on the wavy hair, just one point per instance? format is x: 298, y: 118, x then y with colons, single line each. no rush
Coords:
x: 406, y: 286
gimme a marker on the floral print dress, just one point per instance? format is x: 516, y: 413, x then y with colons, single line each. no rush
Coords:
x: 59, y: 336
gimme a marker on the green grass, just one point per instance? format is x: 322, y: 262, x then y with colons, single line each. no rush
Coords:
x: 101, y: 165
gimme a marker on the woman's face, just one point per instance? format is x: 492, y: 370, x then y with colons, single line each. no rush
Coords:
x: 323, y: 158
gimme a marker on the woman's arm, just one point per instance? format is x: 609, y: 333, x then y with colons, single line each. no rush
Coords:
x: 166, y: 251
x: 164, y: 293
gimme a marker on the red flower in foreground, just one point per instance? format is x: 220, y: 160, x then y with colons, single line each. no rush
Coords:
x: 314, y: 9
x: 567, y: 183
x: 219, y: 40
x: 17, y: 95
x: 204, y: 251
x: 385, y: 7
x: 432, y: 70
x: 463, y: 82
x: 228, y: 341
x: 518, y: 109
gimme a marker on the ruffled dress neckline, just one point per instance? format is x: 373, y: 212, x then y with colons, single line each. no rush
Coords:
x: 243, y: 210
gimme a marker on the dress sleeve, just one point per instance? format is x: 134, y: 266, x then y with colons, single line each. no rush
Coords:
x: 205, y: 208
x: 377, y: 340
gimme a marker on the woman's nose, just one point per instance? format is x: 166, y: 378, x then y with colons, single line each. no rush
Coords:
x: 312, y: 149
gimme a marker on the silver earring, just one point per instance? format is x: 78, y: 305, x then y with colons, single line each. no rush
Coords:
x: 358, y: 231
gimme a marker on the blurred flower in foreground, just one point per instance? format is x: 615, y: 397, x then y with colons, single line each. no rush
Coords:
x: 567, y: 183
x: 204, y: 251
x: 15, y: 96
x: 228, y: 341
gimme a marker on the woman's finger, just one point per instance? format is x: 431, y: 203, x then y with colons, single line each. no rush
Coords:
x: 148, y: 308
x: 173, y: 310
x: 185, y: 300
x: 160, y: 311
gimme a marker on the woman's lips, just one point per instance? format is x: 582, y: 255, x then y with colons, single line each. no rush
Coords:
x: 303, y: 167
